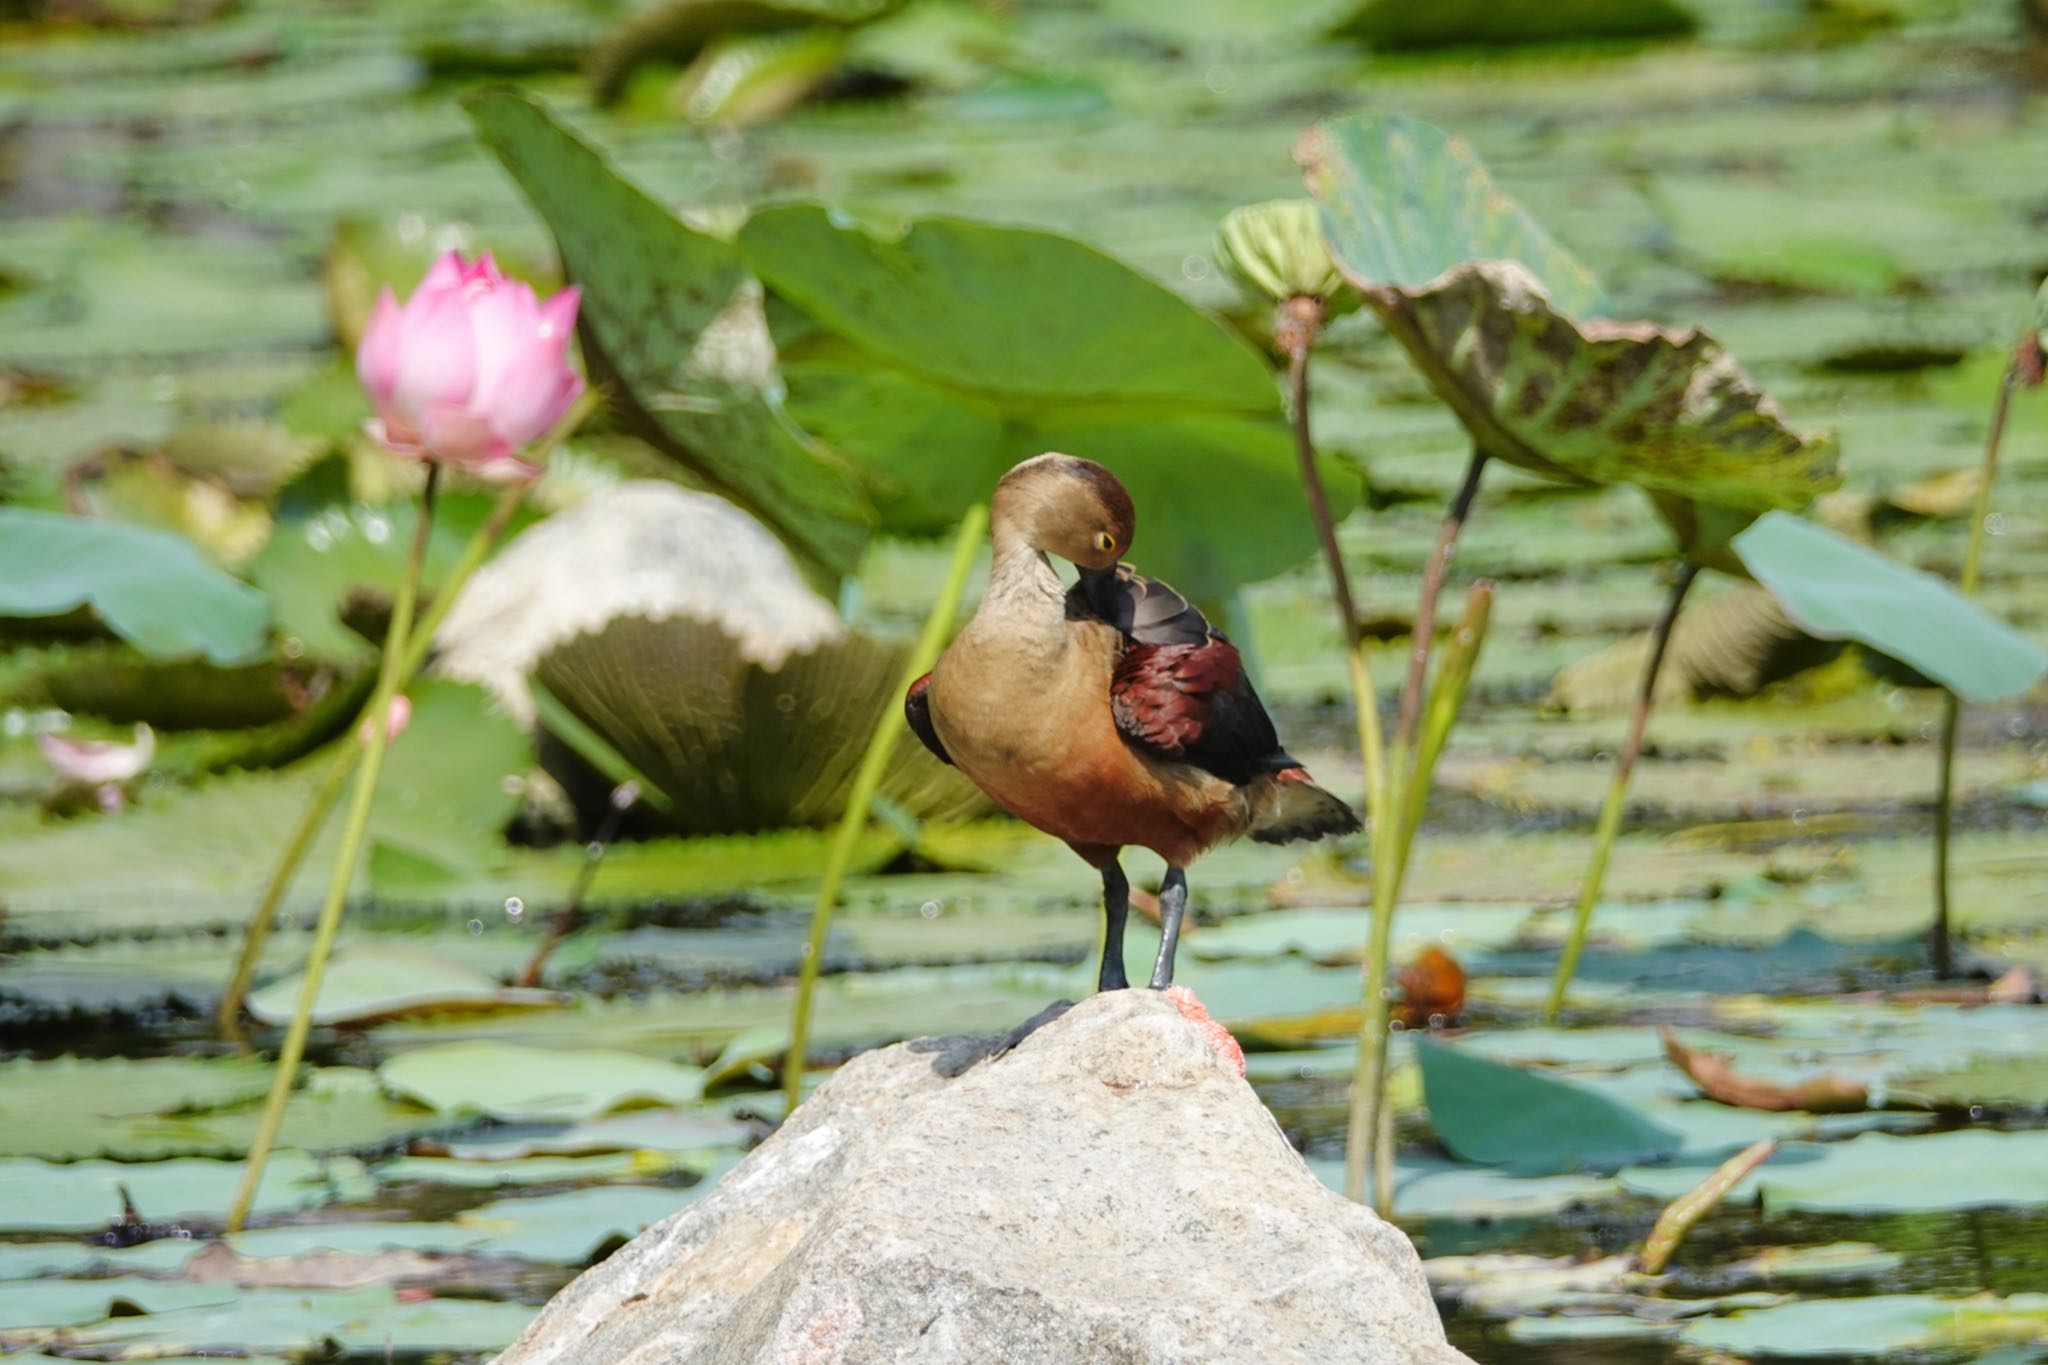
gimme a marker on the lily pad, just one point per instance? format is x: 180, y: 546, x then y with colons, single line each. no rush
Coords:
x: 363, y: 1321
x: 370, y: 984
x: 1969, y: 1168
x: 85, y: 1196
x: 64, y: 1108
x: 507, y: 1081
x: 1891, y: 1325
x: 936, y: 357
x: 1839, y: 590
x: 1498, y: 1115
x: 568, y: 1228
x: 151, y: 588
x: 651, y: 288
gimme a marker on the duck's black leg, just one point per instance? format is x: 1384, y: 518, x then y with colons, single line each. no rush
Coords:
x: 1116, y: 904
x: 1173, y: 903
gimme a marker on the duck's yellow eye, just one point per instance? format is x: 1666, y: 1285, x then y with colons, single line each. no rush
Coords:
x: 1104, y: 541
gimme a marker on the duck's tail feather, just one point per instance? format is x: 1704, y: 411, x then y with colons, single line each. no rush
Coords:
x: 1292, y: 807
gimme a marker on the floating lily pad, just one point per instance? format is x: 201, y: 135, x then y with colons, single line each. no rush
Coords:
x: 1880, y: 1172
x: 1839, y: 590
x: 526, y: 1083
x: 369, y: 984
x: 1498, y: 1115
x: 936, y: 357
x: 150, y: 587
x: 568, y: 1228
x: 1887, y: 1325
x: 85, y: 1196
x: 71, y: 1303
x: 290, y: 1320
x: 651, y: 288
x: 71, y: 1107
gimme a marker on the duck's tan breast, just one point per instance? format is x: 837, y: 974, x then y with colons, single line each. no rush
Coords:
x: 1030, y: 723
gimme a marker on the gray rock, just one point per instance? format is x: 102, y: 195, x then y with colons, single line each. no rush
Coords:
x: 1108, y: 1191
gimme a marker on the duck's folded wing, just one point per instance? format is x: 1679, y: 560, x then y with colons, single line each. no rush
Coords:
x: 1193, y: 704
x: 917, y: 709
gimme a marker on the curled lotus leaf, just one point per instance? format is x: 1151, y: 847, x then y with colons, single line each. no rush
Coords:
x: 1602, y: 402
x: 734, y: 745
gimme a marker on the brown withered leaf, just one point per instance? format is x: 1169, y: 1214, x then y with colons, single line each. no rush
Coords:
x: 1432, y: 990
x: 1711, y: 1072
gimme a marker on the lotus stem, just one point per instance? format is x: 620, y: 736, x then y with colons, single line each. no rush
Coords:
x: 1433, y: 572
x: 228, y: 1015
x: 1940, y: 950
x: 881, y: 743
x: 1682, y: 1213
x: 1300, y: 319
x: 1609, y: 826
x: 358, y: 823
x: 622, y: 800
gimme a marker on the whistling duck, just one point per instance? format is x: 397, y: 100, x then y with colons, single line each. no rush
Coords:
x: 1112, y: 713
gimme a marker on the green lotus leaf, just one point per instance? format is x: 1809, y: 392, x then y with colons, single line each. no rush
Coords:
x: 151, y: 588
x: 1554, y: 1126
x: 652, y: 286
x: 1839, y: 590
x: 733, y: 745
x: 1601, y: 402
x: 511, y: 1082
x: 936, y: 358
x: 1403, y: 202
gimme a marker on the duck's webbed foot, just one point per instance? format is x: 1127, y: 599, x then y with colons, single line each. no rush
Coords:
x: 971, y: 1052
x: 1116, y: 905
x: 1173, y: 904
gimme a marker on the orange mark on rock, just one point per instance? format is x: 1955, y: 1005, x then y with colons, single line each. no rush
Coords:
x: 1214, y: 1034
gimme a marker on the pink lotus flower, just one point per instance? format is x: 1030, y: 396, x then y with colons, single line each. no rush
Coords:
x: 471, y: 368
x: 101, y: 764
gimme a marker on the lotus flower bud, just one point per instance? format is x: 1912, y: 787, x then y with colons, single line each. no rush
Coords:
x: 396, y: 717
x: 1275, y: 250
x: 470, y: 369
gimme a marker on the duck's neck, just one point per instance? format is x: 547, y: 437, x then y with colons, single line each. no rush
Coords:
x: 1023, y: 589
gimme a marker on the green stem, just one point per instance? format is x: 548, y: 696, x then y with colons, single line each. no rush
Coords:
x: 1940, y: 950
x: 228, y: 1015
x: 1433, y: 572
x: 622, y: 799
x: 881, y: 743
x: 353, y: 832
x: 1609, y: 827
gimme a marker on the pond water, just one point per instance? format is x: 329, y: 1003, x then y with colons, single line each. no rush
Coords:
x: 1848, y: 195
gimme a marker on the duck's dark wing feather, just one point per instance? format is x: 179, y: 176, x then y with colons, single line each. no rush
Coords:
x: 1180, y: 690
x: 917, y: 709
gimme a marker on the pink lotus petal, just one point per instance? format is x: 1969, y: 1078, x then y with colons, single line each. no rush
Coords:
x: 470, y: 368
x: 536, y: 391
x: 454, y: 433
x: 377, y: 356
x: 505, y: 322
x: 558, y: 314
x: 448, y: 271
x: 438, y: 362
x: 1214, y: 1034
x: 503, y: 469
x: 396, y: 717
x: 97, y: 761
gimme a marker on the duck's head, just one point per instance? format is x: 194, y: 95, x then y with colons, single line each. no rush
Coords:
x: 1068, y: 507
